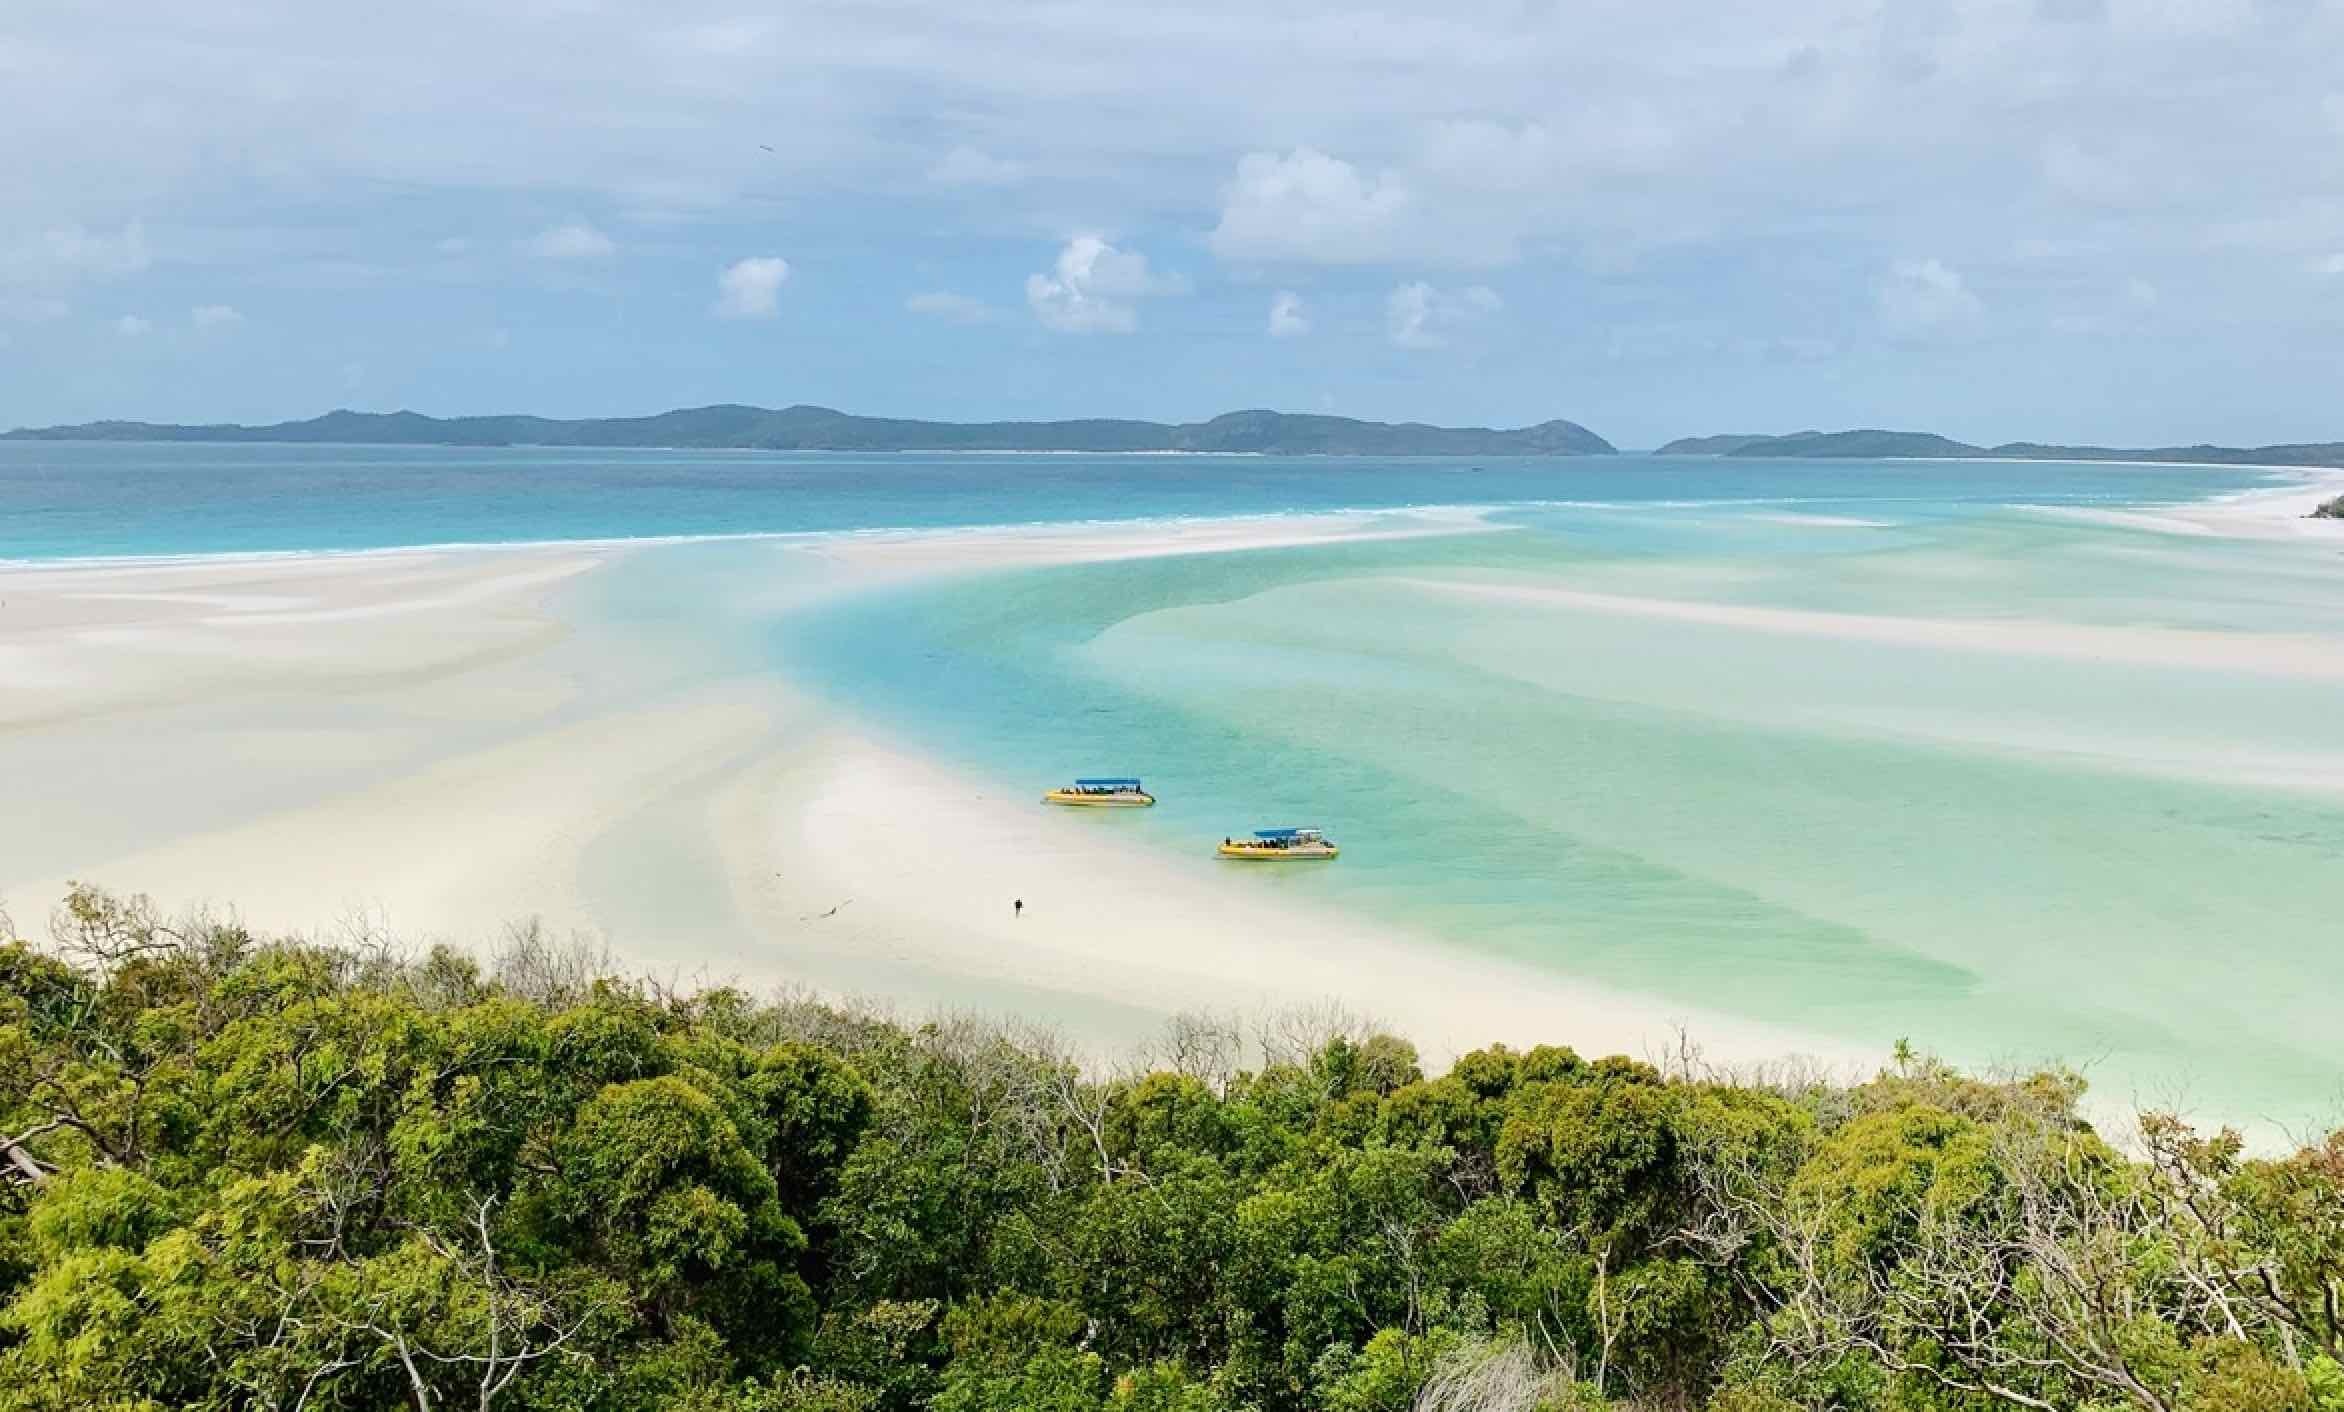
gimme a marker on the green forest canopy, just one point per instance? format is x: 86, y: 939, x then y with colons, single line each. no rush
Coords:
x: 253, y: 1173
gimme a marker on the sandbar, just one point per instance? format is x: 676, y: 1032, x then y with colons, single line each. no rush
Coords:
x: 438, y: 744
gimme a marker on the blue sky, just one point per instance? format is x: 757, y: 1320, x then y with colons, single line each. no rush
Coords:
x: 2114, y: 220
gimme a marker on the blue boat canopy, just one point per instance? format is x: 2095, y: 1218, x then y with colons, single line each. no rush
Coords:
x: 1107, y: 784
x: 1282, y: 833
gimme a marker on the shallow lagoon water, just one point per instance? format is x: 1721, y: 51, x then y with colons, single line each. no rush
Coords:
x: 2008, y: 856
x: 1803, y: 802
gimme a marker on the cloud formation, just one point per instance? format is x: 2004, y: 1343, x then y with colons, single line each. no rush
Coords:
x: 1417, y: 315
x: 1920, y: 297
x: 1307, y: 206
x: 214, y: 316
x: 1287, y: 319
x: 966, y: 166
x: 132, y: 326
x: 1092, y: 285
x: 38, y: 270
x: 1751, y: 173
x: 751, y: 288
x: 575, y: 241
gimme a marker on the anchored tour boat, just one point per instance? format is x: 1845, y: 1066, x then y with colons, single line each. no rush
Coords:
x: 1281, y: 846
x: 1121, y: 793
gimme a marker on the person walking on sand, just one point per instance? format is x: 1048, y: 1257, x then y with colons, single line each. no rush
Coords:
x: 1017, y: 908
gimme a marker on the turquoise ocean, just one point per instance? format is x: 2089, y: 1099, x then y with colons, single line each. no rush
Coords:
x: 1821, y: 799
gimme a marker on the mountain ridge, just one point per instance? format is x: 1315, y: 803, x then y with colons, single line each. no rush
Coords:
x: 1874, y: 444
x: 809, y: 428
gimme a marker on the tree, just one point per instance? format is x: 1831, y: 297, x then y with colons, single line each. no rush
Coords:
x: 242, y: 1172
x: 654, y: 1180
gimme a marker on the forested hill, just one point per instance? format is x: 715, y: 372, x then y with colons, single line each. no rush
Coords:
x: 823, y: 429
x: 1724, y: 444
x: 1878, y: 445
x: 242, y: 1173
x: 1866, y: 445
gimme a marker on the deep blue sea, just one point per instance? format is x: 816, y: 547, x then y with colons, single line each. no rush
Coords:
x: 70, y: 500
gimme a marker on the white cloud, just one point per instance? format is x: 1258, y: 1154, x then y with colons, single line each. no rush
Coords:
x: 1089, y: 288
x: 966, y: 166
x: 575, y: 241
x: 1926, y: 296
x: 1287, y: 318
x: 2329, y: 265
x: 1310, y: 207
x: 751, y: 288
x: 1408, y: 316
x: 132, y: 326
x: 79, y: 251
x: 1465, y: 194
x: 955, y: 308
x: 452, y: 245
x: 214, y: 316
x: 1414, y: 140
x: 1417, y: 315
x: 63, y: 255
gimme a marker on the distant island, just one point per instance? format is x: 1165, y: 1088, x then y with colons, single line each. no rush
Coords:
x: 1872, y: 445
x: 808, y: 428
x: 804, y: 428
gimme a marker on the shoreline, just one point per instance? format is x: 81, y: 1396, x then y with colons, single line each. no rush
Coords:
x: 934, y: 901
x: 1462, y: 514
x: 2264, y: 512
x: 2227, y: 507
x: 405, y: 742
x: 436, y: 742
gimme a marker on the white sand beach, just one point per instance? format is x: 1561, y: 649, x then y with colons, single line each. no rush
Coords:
x: 2271, y: 512
x: 435, y: 744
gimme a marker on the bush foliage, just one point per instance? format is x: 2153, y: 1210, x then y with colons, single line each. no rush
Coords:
x: 252, y: 1173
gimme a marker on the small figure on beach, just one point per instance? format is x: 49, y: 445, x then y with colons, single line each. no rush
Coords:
x: 1017, y: 908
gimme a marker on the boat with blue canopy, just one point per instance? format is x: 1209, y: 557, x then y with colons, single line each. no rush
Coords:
x: 1281, y: 846
x: 1104, y: 792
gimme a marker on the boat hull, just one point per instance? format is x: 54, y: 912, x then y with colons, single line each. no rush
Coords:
x: 1243, y: 853
x: 1098, y: 801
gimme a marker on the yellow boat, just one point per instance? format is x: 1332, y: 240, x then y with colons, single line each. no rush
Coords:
x: 1121, y: 793
x: 1281, y: 846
